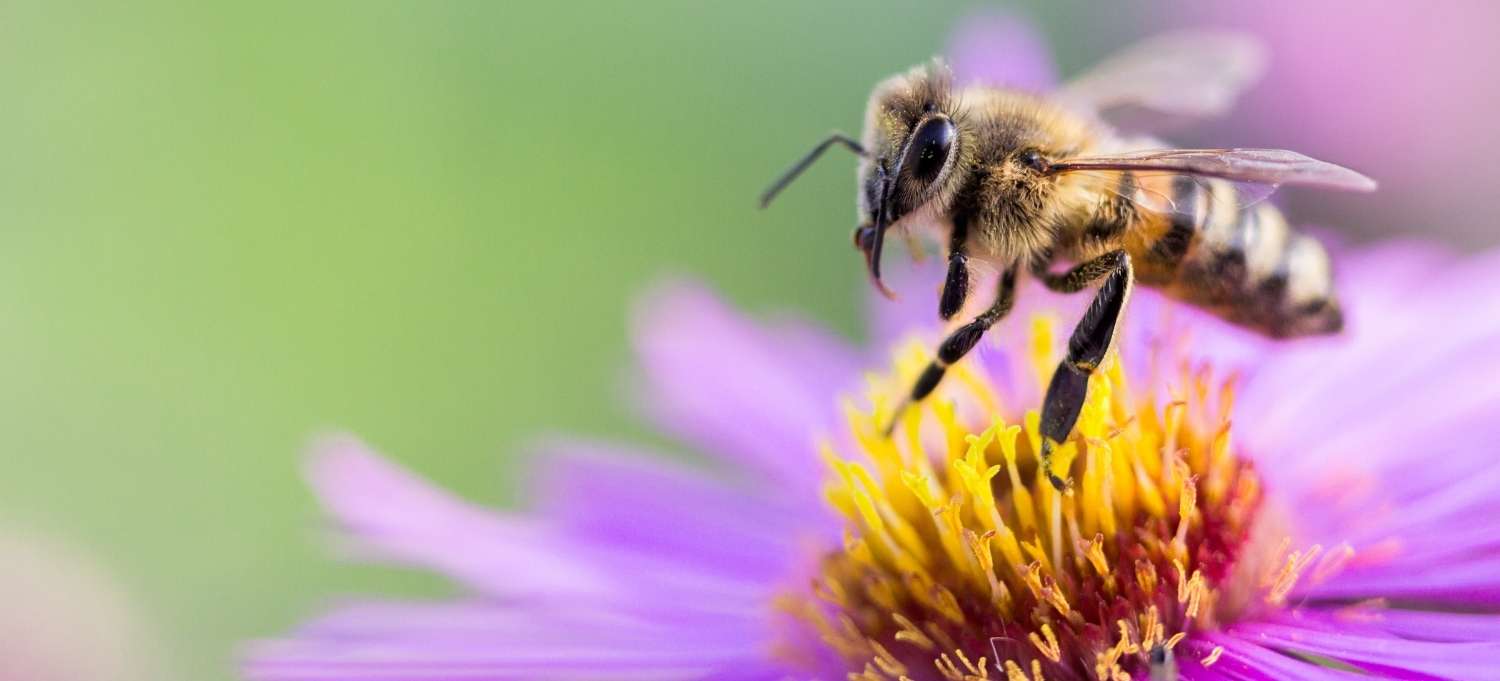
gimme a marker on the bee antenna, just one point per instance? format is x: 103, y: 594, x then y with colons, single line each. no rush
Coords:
x: 806, y: 161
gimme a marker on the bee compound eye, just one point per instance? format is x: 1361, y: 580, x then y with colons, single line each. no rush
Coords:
x: 929, y: 148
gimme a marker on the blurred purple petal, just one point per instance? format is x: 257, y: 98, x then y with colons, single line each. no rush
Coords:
x: 610, y: 495
x: 915, y: 309
x: 1001, y: 48
x: 826, y: 359
x: 400, y: 517
x: 1460, y: 660
x: 1475, y: 582
x: 1416, y: 625
x: 764, y: 410
x: 1246, y: 659
x: 414, y: 640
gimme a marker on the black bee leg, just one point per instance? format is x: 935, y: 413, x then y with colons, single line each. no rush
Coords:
x: 956, y: 286
x: 1082, y: 274
x: 959, y: 343
x: 1087, y: 348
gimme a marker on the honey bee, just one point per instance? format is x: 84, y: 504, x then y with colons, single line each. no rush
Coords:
x: 1014, y: 182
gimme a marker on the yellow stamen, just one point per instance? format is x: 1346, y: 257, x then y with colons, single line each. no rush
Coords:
x: 1213, y: 656
x: 1095, y: 553
x: 954, y: 532
x: 1286, y: 578
x: 909, y: 633
x: 1049, y: 648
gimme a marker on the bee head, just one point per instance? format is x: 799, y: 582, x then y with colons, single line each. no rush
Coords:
x: 913, y: 139
x: 914, y: 142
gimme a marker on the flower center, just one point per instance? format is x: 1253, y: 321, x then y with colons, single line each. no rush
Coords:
x: 960, y: 561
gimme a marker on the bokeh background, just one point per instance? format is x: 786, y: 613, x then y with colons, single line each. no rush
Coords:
x: 226, y: 227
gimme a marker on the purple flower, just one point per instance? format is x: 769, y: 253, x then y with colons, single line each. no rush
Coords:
x: 1002, y: 49
x: 1349, y: 521
x: 1343, y: 522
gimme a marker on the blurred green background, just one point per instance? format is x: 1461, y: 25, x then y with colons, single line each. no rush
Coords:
x: 230, y: 227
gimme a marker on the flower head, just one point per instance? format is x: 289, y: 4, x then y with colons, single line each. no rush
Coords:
x: 1330, y: 505
x: 960, y: 553
x: 1241, y: 511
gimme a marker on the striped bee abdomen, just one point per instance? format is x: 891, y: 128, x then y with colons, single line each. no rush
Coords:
x: 1244, y: 264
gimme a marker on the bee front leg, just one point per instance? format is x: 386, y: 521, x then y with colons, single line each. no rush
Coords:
x: 959, y: 343
x: 956, y: 285
x: 1087, y: 348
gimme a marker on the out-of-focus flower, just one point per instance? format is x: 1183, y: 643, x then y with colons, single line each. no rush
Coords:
x: 1003, y: 49
x: 65, y: 618
x: 1346, y: 520
x: 1343, y: 522
x: 1405, y: 91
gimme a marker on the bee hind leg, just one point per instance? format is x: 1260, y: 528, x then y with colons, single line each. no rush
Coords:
x: 1083, y: 274
x: 957, y: 344
x: 1089, y: 345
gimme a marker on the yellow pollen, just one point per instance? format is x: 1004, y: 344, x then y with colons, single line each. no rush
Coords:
x: 1095, y: 553
x: 1191, y: 590
x: 1331, y: 563
x: 1213, y: 656
x: 1049, y: 648
x: 909, y: 633
x: 962, y: 562
x: 1151, y: 628
x: 1283, y: 580
x: 1013, y: 672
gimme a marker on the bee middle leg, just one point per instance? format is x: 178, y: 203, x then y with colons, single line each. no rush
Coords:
x: 959, y: 343
x: 1087, y: 348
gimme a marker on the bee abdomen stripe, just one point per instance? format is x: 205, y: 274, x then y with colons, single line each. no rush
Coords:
x: 1250, y: 267
x: 1265, y: 233
x: 1182, y: 228
x: 1117, y: 215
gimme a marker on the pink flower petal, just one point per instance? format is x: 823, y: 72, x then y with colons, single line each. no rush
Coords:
x: 394, y: 516
x: 722, y: 383
x: 398, y: 516
x: 1453, y: 660
x: 395, y: 640
x: 1001, y: 48
x: 615, y: 496
x: 1244, y: 658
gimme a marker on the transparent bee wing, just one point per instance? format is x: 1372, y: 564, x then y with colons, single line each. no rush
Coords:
x: 1160, y: 192
x: 1254, y: 166
x: 1196, y: 73
x: 982, y: 272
